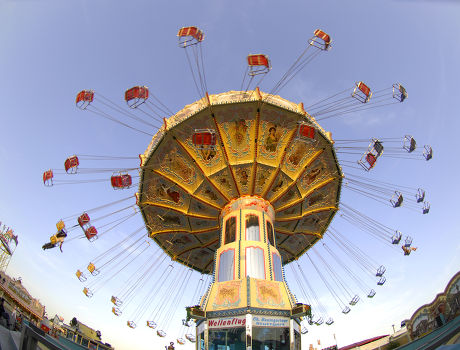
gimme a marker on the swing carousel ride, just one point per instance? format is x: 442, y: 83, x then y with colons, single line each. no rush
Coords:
x: 233, y: 188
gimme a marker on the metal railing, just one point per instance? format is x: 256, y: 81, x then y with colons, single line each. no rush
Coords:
x: 31, y: 336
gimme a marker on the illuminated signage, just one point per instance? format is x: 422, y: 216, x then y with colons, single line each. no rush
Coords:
x: 271, y: 322
x: 230, y: 322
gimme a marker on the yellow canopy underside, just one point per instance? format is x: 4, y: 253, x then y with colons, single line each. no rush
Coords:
x: 258, y: 152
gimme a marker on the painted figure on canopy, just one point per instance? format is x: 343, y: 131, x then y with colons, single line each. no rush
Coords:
x: 271, y: 142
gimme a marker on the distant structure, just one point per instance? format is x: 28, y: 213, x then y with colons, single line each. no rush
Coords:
x: 16, y: 295
x: 79, y: 333
x: 8, y: 245
x: 444, y: 308
x: 431, y: 325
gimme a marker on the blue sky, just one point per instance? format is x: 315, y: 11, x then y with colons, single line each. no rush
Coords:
x: 53, y: 49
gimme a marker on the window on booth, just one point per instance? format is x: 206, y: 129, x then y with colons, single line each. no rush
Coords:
x: 277, y: 269
x: 252, y: 228
x: 200, y: 341
x: 230, y: 230
x: 255, y: 263
x: 270, y: 338
x: 297, y: 340
x: 270, y: 235
x: 226, y: 266
x: 227, y: 339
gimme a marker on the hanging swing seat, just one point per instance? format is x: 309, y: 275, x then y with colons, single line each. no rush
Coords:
x: 116, y: 301
x: 409, y: 144
x: 399, y: 92
x: 151, y: 324
x: 258, y: 64
x: 374, y: 151
x: 81, y: 277
x: 121, y: 181
x: 136, y: 96
x: 91, y: 233
x: 397, y: 199
x: 116, y: 311
x: 362, y: 92
x: 380, y: 271
x: 321, y: 40
x: 83, y: 220
x: 427, y: 152
x: 48, y: 178
x: 420, y: 196
x: 190, y: 337
x: 71, y: 165
x: 87, y: 292
x: 396, y: 237
x: 319, y: 321
x: 204, y: 139
x: 92, y: 269
x: 190, y: 36
x: 354, y: 301
x: 84, y: 98
x: 426, y: 208
x: 306, y: 133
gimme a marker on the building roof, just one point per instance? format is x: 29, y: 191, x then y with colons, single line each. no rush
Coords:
x: 363, y: 342
x: 16, y: 291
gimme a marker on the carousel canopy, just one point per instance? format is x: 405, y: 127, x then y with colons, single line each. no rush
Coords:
x: 230, y: 145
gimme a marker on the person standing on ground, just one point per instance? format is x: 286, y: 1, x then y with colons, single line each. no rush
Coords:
x: 3, y: 313
x: 13, y: 318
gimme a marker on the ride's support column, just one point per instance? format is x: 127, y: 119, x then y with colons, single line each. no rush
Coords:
x: 248, y: 332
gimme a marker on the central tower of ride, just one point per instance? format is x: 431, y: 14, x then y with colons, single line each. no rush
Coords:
x: 249, y: 304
